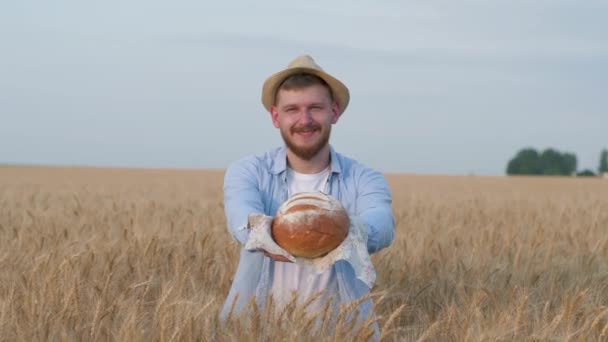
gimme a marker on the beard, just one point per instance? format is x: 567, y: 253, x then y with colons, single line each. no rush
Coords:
x: 306, y: 152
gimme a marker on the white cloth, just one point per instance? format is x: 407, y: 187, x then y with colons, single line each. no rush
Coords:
x: 352, y: 250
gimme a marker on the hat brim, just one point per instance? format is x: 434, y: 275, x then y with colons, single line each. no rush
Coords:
x: 339, y: 91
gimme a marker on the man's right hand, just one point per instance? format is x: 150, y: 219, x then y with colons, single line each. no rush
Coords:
x: 276, y: 257
x: 266, y: 220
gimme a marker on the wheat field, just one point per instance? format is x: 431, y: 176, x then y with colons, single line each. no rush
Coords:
x: 143, y: 255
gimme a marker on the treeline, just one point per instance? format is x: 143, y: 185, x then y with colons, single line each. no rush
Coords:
x: 529, y: 161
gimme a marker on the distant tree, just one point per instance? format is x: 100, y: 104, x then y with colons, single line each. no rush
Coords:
x: 550, y: 162
x: 586, y: 173
x: 603, y: 162
x: 526, y: 162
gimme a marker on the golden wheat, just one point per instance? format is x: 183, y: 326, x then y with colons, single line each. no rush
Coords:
x: 144, y: 255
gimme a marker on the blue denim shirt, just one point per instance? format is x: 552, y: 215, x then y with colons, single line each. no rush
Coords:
x: 258, y: 184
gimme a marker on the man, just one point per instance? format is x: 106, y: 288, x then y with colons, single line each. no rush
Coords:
x: 304, y: 102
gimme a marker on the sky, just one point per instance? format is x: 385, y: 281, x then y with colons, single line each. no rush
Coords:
x: 437, y: 87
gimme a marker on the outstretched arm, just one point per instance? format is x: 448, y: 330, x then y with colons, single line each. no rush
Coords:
x: 242, y: 196
x: 374, y: 208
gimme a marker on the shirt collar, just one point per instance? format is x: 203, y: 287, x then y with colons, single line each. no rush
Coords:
x: 280, y: 161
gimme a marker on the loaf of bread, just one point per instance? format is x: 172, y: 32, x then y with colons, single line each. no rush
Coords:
x: 310, y: 225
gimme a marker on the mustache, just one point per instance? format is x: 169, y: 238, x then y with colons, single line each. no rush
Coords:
x: 305, y: 128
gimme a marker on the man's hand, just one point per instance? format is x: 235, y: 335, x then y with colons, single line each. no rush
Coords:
x: 276, y: 257
x: 262, y: 219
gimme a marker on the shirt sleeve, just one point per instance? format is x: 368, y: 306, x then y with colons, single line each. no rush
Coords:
x: 373, y: 205
x: 242, y: 197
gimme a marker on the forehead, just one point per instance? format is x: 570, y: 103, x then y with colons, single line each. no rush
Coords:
x: 313, y: 93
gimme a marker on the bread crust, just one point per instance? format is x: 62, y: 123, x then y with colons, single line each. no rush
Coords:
x: 310, y: 225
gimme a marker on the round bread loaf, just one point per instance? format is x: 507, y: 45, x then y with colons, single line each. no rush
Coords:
x: 310, y: 225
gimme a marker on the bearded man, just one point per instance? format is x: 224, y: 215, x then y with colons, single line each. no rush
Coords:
x: 304, y: 102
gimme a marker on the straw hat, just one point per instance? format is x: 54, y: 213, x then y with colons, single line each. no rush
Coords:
x: 304, y: 64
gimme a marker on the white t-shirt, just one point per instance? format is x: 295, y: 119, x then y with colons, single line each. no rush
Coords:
x: 289, y: 277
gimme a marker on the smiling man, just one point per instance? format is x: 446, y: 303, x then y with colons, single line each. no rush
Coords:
x: 304, y: 102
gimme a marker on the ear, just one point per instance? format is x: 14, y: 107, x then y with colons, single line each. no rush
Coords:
x: 274, y: 115
x: 335, y: 109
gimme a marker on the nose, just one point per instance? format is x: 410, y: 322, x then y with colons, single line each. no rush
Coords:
x: 306, y: 117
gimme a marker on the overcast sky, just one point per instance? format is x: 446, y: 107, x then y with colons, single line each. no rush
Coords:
x: 437, y: 87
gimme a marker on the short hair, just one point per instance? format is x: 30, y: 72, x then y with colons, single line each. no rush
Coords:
x: 301, y: 81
